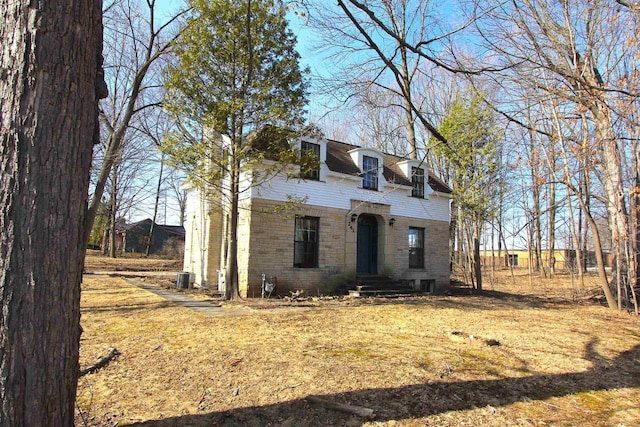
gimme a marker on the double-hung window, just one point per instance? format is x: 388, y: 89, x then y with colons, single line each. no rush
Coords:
x: 417, y: 181
x: 370, y: 170
x: 310, y: 153
x: 305, y: 251
x: 416, y: 247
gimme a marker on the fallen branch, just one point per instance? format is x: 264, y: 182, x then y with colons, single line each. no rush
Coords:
x: 296, y: 295
x: 350, y: 409
x: 288, y: 386
x: 461, y: 337
x: 102, y: 362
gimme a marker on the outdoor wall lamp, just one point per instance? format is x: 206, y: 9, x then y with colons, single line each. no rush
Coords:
x: 353, y: 218
x: 392, y: 221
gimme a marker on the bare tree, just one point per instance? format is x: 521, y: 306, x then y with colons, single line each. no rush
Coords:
x: 571, y: 52
x: 176, y: 189
x: 136, y: 39
x: 375, y: 45
x: 49, y: 91
x: 129, y: 181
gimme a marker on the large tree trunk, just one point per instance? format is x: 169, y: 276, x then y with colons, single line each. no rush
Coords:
x: 231, y: 290
x: 48, y: 107
x: 454, y: 251
x: 616, y: 207
x: 602, y: 272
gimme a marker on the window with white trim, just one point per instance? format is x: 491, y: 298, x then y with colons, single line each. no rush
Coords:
x: 417, y: 182
x: 370, y: 171
x: 308, y: 149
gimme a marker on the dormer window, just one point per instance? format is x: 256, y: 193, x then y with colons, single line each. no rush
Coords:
x: 370, y: 171
x: 307, y: 150
x: 417, y: 182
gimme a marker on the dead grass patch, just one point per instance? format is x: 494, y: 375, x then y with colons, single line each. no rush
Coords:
x: 95, y: 261
x: 558, y: 363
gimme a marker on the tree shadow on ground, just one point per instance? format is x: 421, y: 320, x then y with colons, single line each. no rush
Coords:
x: 525, y: 300
x: 422, y: 400
x: 495, y: 299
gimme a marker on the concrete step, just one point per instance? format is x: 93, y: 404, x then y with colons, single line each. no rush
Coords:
x: 388, y: 293
x: 369, y: 285
x: 384, y: 286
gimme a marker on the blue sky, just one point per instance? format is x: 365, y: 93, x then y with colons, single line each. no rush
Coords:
x: 168, y: 211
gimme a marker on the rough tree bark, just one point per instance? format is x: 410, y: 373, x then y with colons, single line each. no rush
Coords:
x: 616, y: 208
x: 51, y: 81
x: 231, y: 290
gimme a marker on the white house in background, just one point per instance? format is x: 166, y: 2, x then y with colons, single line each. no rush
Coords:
x: 364, y: 213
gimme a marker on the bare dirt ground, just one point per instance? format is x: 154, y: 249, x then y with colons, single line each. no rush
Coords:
x: 558, y: 359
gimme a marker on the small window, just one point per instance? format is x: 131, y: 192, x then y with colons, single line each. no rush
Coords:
x: 416, y: 247
x: 417, y: 181
x: 370, y: 170
x: 311, y: 154
x: 513, y: 260
x: 305, y: 251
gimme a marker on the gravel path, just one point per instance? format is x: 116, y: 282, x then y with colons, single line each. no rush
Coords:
x: 201, y: 307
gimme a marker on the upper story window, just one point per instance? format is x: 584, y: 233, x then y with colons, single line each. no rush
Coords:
x: 370, y: 170
x: 308, y: 149
x: 417, y: 181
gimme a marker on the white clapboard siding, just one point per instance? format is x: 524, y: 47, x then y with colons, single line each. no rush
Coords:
x: 338, y: 191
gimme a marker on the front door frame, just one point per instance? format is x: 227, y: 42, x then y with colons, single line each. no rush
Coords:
x: 367, y: 245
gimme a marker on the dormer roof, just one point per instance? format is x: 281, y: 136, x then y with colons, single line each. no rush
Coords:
x: 339, y: 160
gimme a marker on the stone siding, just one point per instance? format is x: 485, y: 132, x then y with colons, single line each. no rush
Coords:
x: 203, y: 228
x: 436, y: 253
x: 266, y: 245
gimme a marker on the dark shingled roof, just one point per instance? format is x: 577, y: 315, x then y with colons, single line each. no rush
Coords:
x: 339, y: 160
x: 143, y: 227
x: 173, y: 230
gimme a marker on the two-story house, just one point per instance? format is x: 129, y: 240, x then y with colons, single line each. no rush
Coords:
x: 363, y: 212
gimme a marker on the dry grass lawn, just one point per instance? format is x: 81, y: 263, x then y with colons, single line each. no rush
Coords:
x: 558, y: 363
x: 129, y: 262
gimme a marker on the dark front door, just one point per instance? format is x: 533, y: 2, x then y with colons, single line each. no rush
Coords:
x: 367, y: 247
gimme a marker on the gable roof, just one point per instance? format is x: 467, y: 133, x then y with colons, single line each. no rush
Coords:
x: 144, y: 225
x: 173, y: 230
x: 339, y: 160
